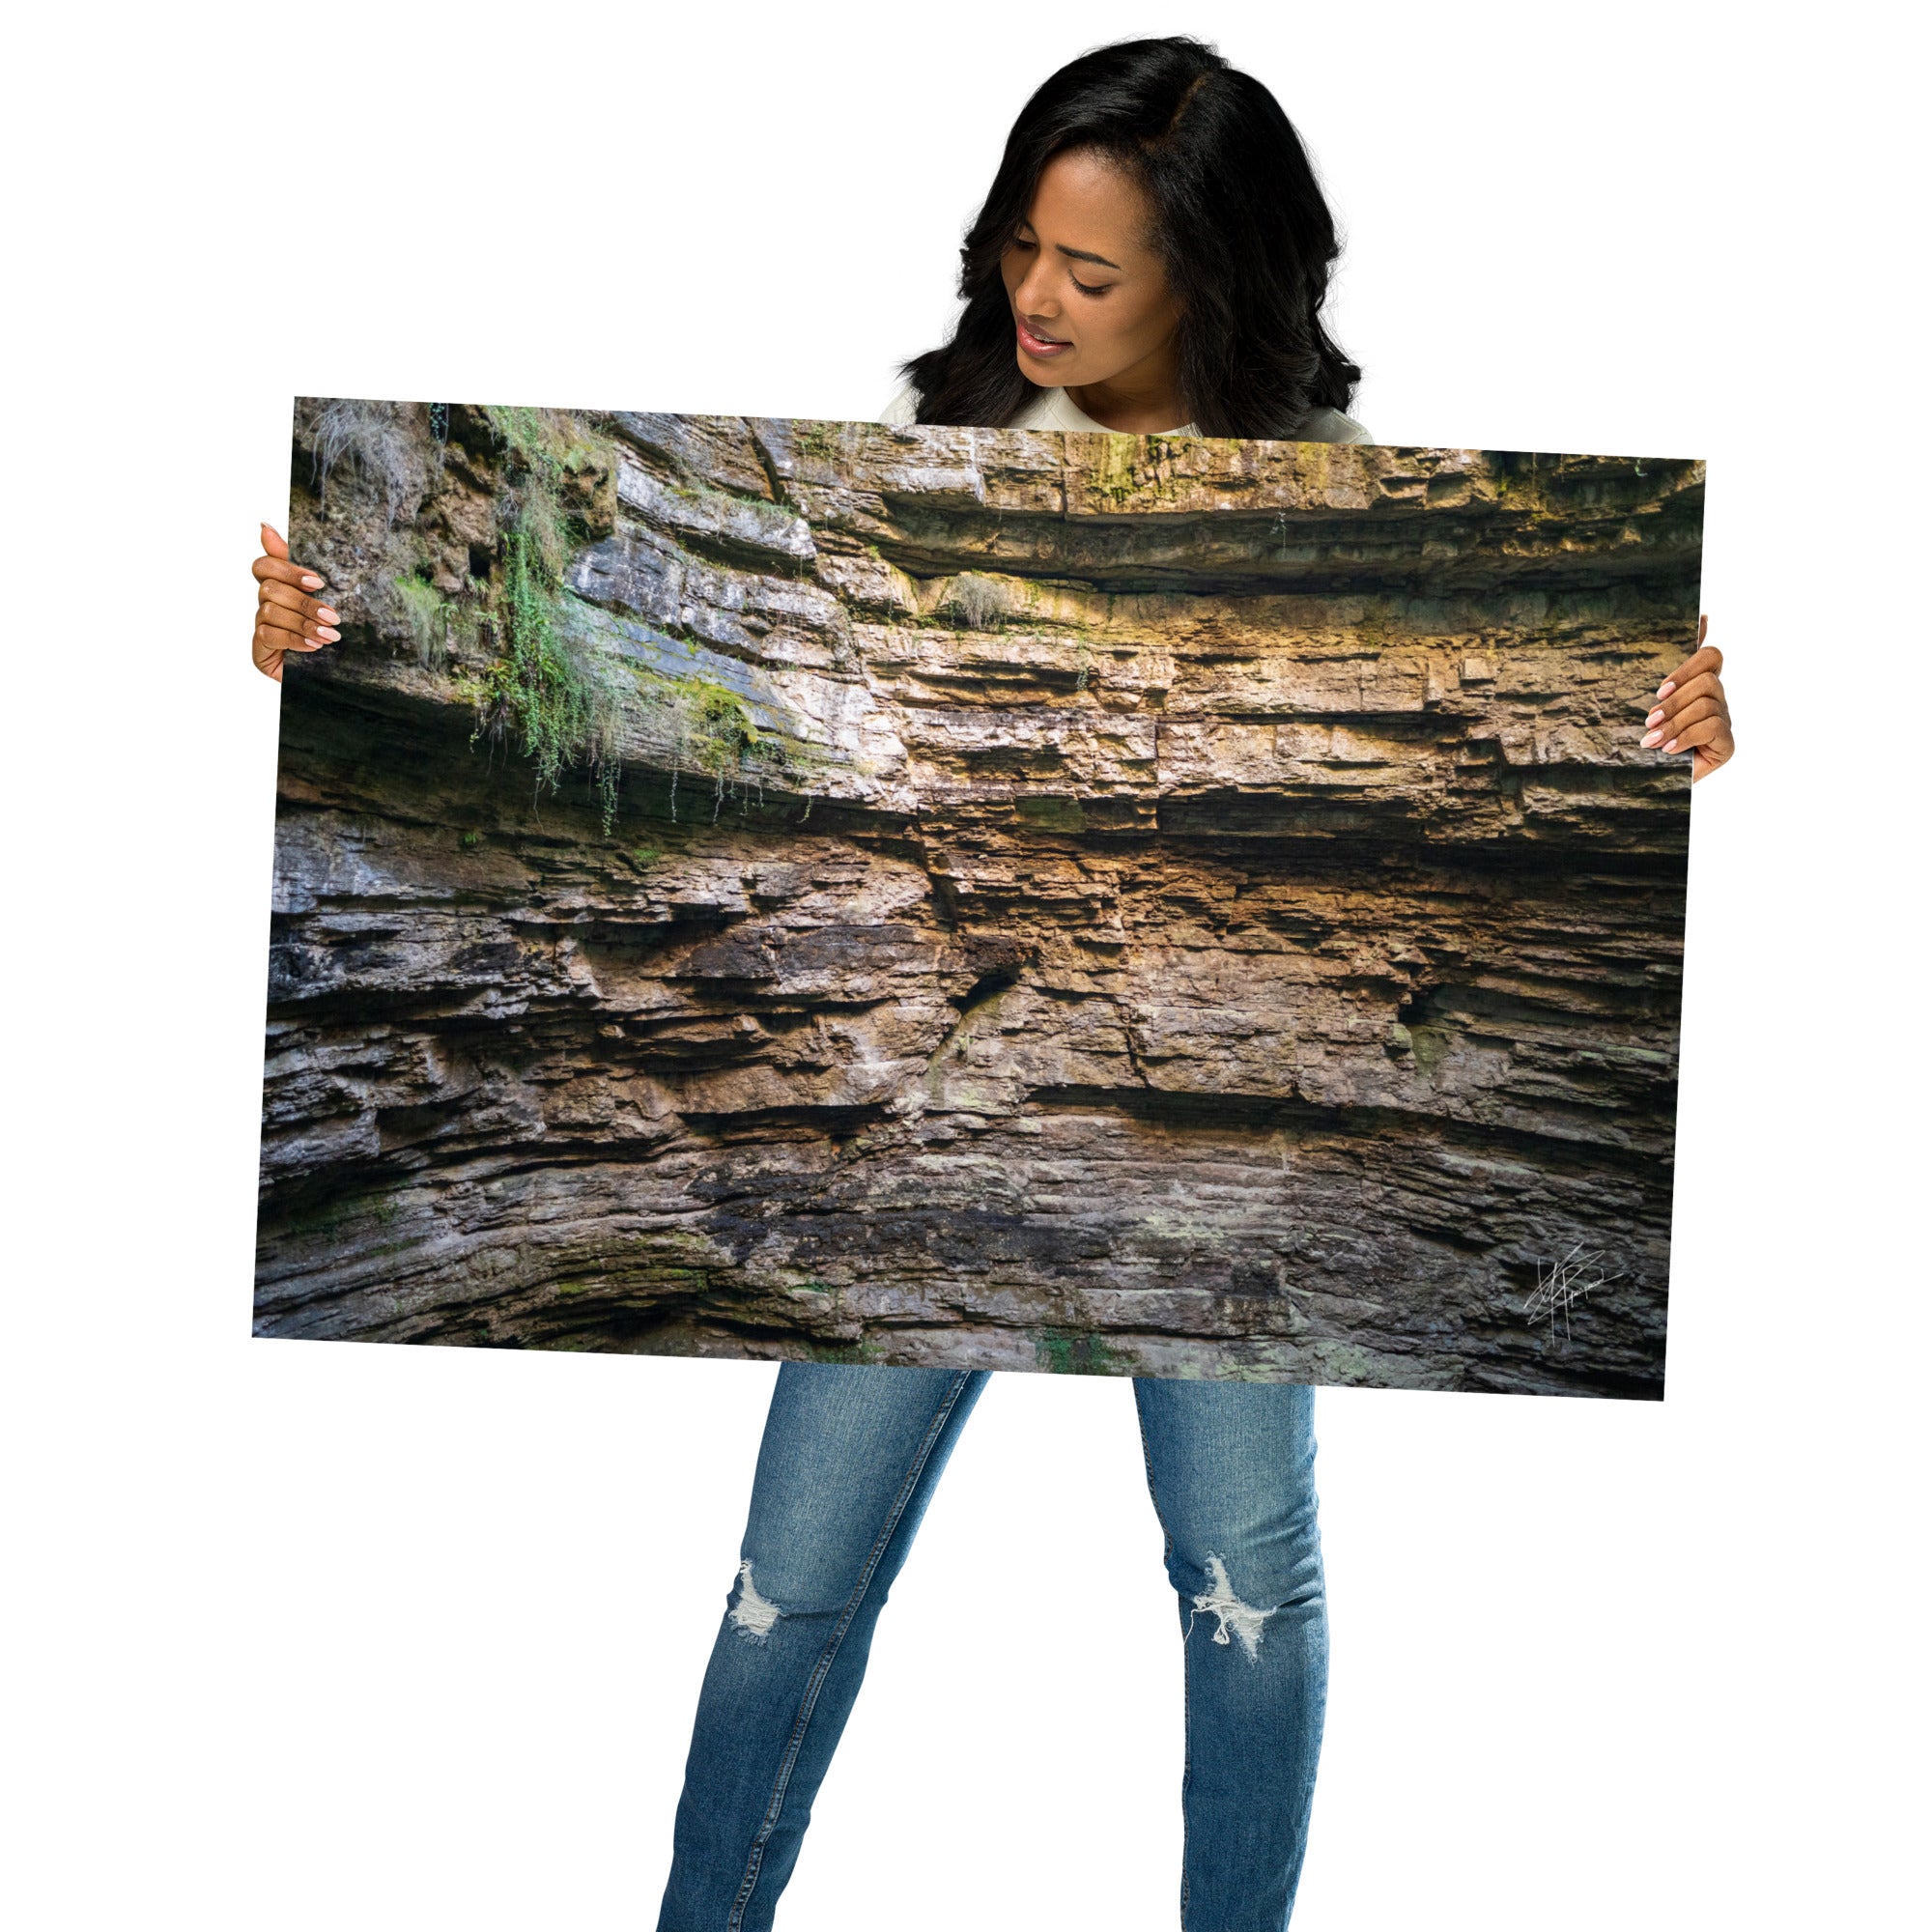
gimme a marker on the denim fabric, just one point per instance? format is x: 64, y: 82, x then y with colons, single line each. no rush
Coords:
x: 849, y: 1460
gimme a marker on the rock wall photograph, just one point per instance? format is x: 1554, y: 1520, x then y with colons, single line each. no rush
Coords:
x: 1114, y: 904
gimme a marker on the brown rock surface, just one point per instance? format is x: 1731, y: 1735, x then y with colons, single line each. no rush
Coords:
x: 1142, y: 905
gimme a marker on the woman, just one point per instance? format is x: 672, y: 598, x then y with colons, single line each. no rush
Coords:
x: 1152, y: 257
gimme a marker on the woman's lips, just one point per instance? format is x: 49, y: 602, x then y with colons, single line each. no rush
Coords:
x: 1042, y: 346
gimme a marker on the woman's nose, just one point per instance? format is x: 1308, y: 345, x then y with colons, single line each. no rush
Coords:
x: 1035, y: 294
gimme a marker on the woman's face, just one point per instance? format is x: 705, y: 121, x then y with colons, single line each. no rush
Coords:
x: 1091, y: 300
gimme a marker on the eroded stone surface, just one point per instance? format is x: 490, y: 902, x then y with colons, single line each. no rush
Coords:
x: 1214, y: 917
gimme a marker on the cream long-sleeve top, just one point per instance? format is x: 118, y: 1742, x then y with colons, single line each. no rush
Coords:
x: 1055, y: 408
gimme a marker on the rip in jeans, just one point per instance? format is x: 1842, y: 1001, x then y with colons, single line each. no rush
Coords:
x: 753, y: 1615
x: 1220, y: 1602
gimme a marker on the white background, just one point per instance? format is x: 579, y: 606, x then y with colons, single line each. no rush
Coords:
x: 305, y: 1636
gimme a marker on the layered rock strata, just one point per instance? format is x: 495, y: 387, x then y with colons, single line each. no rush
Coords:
x: 1154, y: 906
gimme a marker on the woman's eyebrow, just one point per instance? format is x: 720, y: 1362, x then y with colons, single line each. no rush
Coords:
x: 1088, y: 255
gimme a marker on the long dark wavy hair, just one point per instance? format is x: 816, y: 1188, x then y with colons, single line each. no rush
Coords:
x: 1244, y: 236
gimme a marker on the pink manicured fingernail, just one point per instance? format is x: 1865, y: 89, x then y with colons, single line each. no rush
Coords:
x: 310, y: 581
x: 1652, y: 738
x: 325, y: 615
x: 1655, y: 716
x: 1665, y: 688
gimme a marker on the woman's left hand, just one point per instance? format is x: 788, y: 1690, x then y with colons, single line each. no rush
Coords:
x: 1691, y: 713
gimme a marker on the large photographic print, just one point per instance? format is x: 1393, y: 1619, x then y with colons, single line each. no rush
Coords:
x: 1117, y: 904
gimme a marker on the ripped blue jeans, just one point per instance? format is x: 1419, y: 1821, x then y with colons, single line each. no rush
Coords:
x: 849, y: 1460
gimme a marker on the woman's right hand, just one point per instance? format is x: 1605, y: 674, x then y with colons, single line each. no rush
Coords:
x: 286, y: 617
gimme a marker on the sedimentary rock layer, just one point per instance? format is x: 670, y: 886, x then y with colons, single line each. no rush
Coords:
x: 1166, y: 906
